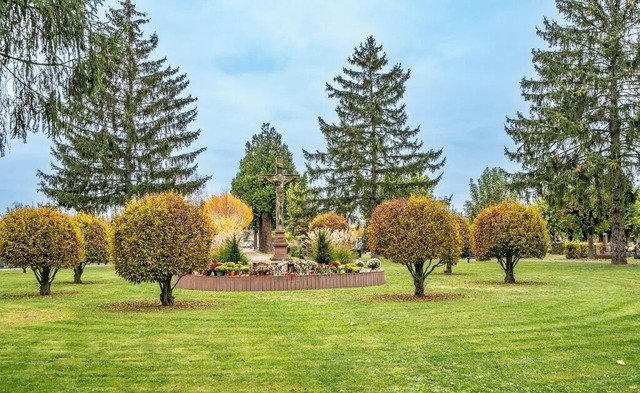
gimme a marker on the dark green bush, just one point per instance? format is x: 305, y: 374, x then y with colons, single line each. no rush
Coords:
x: 574, y: 250
x: 231, y: 252
x: 322, y: 249
x: 557, y: 248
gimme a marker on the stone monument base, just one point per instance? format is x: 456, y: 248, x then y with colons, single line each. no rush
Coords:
x: 279, y: 247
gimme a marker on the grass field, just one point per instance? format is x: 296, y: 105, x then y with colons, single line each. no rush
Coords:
x: 562, y: 328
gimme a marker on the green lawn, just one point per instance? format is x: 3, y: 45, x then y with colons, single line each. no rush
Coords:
x: 561, y: 329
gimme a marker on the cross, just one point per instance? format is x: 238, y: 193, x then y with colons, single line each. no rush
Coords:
x: 279, y: 180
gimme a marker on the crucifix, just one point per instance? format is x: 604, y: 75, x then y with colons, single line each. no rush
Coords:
x: 279, y: 180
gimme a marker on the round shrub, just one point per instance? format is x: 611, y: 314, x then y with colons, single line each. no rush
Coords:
x: 43, y: 239
x: 419, y: 233
x: 158, y: 237
x: 96, y: 242
x: 329, y: 221
x: 509, y: 231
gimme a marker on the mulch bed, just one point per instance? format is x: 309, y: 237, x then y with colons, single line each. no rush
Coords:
x: 147, y: 305
x: 408, y: 297
x: 517, y: 283
x: 36, y: 294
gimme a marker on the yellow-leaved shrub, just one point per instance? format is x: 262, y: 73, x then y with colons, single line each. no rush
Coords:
x: 43, y: 239
x: 158, y: 237
x: 418, y: 233
x: 509, y: 231
x: 96, y: 242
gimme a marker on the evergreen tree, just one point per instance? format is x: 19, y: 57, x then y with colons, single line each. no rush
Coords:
x: 130, y: 139
x: 300, y: 208
x: 493, y: 187
x: 260, y: 159
x: 583, y: 105
x: 371, y: 148
x: 49, y: 52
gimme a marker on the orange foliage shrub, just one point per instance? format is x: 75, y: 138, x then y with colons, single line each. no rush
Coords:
x: 418, y: 233
x: 509, y: 231
x: 330, y: 221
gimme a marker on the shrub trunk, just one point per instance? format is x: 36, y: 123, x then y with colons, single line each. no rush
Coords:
x: 45, y: 277
x: 508, y: 270
x: 447, y: 269
x: 418, y: 279
x: 77, y: 274
x: 166, y: 290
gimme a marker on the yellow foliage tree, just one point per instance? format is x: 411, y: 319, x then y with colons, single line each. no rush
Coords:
x: 229, y: 214
x: 419, y: 233
x: 509, y: 231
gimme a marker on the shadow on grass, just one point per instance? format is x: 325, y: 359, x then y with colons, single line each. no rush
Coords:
x: 455, y: 274
x: 154, y: 306
x: 84, y: 283
x: 407, y: 297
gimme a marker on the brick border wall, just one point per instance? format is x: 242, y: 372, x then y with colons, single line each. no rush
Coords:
x: 281, y: 283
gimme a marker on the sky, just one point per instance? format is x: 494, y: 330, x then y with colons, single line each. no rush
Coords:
x: 254, y: 62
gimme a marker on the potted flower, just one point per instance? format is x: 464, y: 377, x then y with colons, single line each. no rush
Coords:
x: 220, y: 270
x: 261, y: 270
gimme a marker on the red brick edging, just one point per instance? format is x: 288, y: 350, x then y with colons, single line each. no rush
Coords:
x: 280, y: 283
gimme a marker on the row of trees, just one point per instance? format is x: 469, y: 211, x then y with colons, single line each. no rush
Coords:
x: 154, y: 239
x: 121, y: 126
x: 422, y: 234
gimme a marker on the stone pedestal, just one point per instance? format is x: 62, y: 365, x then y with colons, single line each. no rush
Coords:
x: 279, y: 247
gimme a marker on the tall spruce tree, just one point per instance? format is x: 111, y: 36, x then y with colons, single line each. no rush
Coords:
x: 48, y: 52
x: 260, y: 159
x: 583, y: 105
x: 130, y: 139
x: 370, y: 148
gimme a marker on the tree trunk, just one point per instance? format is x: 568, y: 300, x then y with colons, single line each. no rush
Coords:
x: 592, y: 247
x: 508, y: 270
x: 44, y: 279
x: 24, y: 269
x: 447, y: 269
x: 266, y: 242
x: 255, y: 240
x: 418, y: 279
x: 77, y: 274
x: 618, y: 241
x: 166, y: 291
